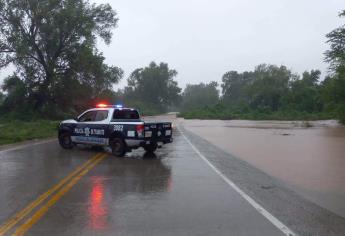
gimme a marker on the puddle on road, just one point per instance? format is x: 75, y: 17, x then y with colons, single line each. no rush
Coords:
x: 310, y: 160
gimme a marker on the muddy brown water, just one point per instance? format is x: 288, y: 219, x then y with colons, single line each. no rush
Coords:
x: 310, y: 160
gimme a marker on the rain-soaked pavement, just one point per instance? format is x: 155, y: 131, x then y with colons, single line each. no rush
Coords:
x: 174, y: 192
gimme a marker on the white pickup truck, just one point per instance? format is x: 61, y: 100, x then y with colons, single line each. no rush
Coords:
x: 111, y: 125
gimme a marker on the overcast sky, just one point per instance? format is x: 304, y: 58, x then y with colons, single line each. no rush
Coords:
x: 202, y: 39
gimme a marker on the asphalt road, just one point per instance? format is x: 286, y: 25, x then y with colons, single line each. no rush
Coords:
x: 189, y: 187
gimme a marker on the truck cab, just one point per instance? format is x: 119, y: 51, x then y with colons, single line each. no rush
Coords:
x: 122, y: 129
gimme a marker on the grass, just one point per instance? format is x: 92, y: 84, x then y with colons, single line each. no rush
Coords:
x: 18, y: 131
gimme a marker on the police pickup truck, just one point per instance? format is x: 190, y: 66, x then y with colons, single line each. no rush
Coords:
x: 120, y: 128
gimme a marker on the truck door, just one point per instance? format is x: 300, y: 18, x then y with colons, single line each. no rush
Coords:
x: 91, y: 128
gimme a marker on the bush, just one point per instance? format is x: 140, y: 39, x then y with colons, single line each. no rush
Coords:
x: 341, y: 114
x: 17, y: 131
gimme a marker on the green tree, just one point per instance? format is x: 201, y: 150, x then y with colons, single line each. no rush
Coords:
x: 334, y: 86
x: 200, y: 95
x: 235, y: 87
x: 304, y: 94
x: 270, y: 85
x: 333, y: 95
x: 262, y: 88
x: 16, y: 93
x: 2, y: 97
x: 154, y: 86
x: 336, y: 54
x: 52, y: 45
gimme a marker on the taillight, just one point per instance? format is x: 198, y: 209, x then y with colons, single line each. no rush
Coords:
x: 140, y: 130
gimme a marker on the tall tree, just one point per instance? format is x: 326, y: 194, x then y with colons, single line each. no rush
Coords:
x: 262, y: 88
x: 154, y: 85
x: 304, y: 93
x: 52, y: 45
x: 336, y: 54
x: 334, y: 86
x: 200, y: 95
x: 235, y: 87
x: 270, y: 86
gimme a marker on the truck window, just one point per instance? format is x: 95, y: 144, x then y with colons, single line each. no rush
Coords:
x: 92, y: 116
x: 126, y: 114
x: 101, y: 115
x: 88, y: 116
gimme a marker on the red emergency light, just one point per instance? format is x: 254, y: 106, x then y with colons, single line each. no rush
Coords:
x: 101, y: 105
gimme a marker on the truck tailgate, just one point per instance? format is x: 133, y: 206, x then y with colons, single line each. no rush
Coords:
x: 159, y: 131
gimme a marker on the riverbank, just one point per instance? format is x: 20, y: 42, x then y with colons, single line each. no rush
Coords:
x: 223, y: 113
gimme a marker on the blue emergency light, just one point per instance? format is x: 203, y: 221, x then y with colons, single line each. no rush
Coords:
x: 102, y: 105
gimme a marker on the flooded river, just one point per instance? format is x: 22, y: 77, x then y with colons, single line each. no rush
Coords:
x: 310, y: 160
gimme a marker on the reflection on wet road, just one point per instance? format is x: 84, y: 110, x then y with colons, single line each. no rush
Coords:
x: 98, y: 209
x: 170, y: 193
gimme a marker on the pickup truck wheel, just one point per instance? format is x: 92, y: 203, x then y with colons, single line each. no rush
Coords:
x: 118, y: 147
x: 152, y: 147
x: 65, y: 140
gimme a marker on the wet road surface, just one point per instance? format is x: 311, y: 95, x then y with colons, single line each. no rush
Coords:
x: 170, y: 193
x: 173, y: 192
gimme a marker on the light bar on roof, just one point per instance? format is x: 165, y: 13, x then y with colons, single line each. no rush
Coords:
x: 103, y: 105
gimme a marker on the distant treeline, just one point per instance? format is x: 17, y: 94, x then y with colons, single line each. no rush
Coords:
x: 268, y: 92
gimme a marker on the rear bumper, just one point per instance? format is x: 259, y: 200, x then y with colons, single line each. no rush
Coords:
x: 168, y: 140
x: 132, y: 143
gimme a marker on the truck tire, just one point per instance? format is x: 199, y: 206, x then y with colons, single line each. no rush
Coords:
x: 118, y: 147
x: 65, y: 140
x: 150, y: 148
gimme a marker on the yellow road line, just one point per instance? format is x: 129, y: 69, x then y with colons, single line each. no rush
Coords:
x: 20, y: 215
x: 21, y: 230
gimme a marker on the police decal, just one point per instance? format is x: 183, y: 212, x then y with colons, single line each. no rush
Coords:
x: 87, y: 131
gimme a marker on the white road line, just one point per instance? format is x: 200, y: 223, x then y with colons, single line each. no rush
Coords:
x: 26, y: 145
x: 250, y: 200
